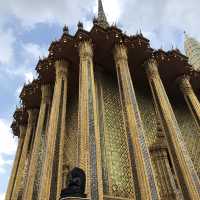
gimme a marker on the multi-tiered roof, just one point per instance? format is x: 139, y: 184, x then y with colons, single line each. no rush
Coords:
x: 171, y: 64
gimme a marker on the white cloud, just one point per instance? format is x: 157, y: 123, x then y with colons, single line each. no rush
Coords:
x: 112, y: 10
x: 7, y: 40
x: 7, y: 145
x: 30, y: 13
x: 18, y: 91
x: 30, y: 53
x: 7, y: 142
x: 29, y: 77
x: 158, y: 17
x: 34, y: 51
x: 4, y: 163
x: 2, y: 196
x: 165, y: 20
x: 162, y: 19
x: 50, y: 11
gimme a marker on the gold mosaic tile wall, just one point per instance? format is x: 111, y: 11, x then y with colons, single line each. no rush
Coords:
x: 190, y: 133
x: 118, y: 179
x: 71, y: 144
x: 157, y: 175
x: 148, y: 116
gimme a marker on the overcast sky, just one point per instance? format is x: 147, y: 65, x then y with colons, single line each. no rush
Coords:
x: 27, y: 28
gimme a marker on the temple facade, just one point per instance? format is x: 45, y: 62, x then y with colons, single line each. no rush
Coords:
x: 126, y: 114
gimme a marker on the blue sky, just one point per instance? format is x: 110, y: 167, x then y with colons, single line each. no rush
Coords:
x: 28, y: 27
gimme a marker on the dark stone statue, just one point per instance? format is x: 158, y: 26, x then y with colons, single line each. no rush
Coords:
x: 75, y: 184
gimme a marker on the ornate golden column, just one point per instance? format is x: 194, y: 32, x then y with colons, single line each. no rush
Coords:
x: 16, y: 162
x: 145, y: 175
x: 39, y: 135
x: 166, y: 180
x: 190, y: 98
x: 55, y: 133
x: 62, y: 139
x: 184, y: 167
x: 32, y: 120
x: 90, y: 155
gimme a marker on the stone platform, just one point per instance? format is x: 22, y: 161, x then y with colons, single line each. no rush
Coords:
x: 105, y: 198
x: 74, y: 198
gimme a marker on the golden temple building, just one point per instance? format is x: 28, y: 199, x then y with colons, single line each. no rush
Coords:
x: 126, y: 114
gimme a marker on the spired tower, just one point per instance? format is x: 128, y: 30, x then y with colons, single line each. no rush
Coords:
x: 192, y: 50
x: 106, y: 102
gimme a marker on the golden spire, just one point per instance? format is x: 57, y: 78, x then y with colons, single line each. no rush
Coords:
x: 101, y: 20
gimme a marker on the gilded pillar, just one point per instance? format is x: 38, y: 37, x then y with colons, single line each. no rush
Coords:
x: 190, y: 98
x: 168, y: 187
x: 32, y: 120
x: 147, y: 184
x: 50, y: 175
x: 184, y: 167
x: 39, y: 135
x: 62, y: 139
x: 13, y: 176
x: 89, y: 136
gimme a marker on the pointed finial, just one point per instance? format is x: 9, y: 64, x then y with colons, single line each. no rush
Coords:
x: 95, y: 20
x: 65, y: 29
x: 101, y: 19
x: 177, y: 50
x: 186, y: 35
x: 141, y: 32
x: 80, y: 25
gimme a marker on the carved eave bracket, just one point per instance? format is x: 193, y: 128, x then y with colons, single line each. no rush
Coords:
x: 99, y: 32
x: 21, y: 116
x: 171, y: 65
x: 160, y: 56
x: 66, y: 38
x: 46, y: 70
x: 180, y: 60
x: 173, y: 61
x: 63, y: 49
x: 114, y: 29
x: 31, y: 95
x: 140, y: 47
x: 81, y: 35
x: 97, y: 28
x: 15, y: 128
x: 139, y: 41
x: 116, y: 35
x: 52, y: 47
x: 20, y: 119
